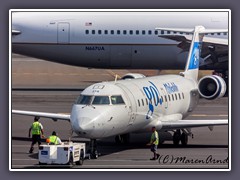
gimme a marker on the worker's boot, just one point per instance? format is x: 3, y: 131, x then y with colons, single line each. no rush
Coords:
x: 31, y: 150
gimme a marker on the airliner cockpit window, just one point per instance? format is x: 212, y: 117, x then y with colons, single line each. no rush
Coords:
x: 101, y: 100
x: 83, y: 99
x: 117, y: 100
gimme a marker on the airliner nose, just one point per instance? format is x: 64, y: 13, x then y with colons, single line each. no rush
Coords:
x: 82, y: 125
x: 83, y: 121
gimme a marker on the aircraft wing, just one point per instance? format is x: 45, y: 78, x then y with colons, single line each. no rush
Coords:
x: 53, y: 116
x: 214, y: 54
x: 182, y: 124
x: 187, y: 39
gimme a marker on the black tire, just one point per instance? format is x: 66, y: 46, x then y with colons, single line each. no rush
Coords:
x: 80, y: 162
x: 94, y: 155
x: 176, y: 138
x: 70, y: 159
x: 81, y: 159
x: 184, y: 139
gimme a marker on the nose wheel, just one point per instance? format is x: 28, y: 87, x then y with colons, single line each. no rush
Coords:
x: 93, y: 149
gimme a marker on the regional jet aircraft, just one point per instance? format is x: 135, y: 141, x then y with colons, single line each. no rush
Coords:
x: 119, y: 39
x: 136, y: 103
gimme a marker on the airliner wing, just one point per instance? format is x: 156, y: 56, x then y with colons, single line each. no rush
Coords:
x: 214, y: 50
x: 52, y: 116
x: 187, y: 39
x: 182, y: 124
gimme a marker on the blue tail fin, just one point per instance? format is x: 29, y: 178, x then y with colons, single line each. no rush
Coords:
x: 192, y: 66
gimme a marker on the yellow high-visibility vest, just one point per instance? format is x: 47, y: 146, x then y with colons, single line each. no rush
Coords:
x: 154, y: 135
x: 53, y: 139
x: 36, y: 128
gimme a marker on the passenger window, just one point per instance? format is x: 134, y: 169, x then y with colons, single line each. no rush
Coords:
x: 93, y: 31
x: 172, y: 97
x: 118, y: 32
x: 100, y: 100
x: 138, y: 103
x: 117, y: 100
x: 149, y: 32
x: 137, y: 32
x: 169, y: 98
x: 182, y: 95
x: 156, y: 32
x: 142, y: 102
x: 162, y: 32
x: 165, y: 98
x: 179, y: 96
x: 131, y: 32
x: 143, y: 32
x: 176, y: 96
x: 99, y: 32
x: 112, y: 31
x: 105, y: 31
x: 87, y: 32
x: 124, y: 32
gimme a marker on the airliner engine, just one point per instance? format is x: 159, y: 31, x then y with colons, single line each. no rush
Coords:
x: 133, y: 76
x: 212, y: 87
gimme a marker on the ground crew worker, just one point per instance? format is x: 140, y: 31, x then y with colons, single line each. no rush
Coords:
x: 37, y: 132
x: 154, y: 143
x: 53, y: 139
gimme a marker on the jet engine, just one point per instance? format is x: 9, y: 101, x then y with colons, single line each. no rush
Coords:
x: 212, y: 87
x: 133, y: 76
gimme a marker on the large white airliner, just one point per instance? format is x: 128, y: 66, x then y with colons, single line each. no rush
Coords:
x: 136, y: 103
x: 119, y: 39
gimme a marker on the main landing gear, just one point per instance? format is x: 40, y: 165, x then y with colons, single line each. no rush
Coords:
x: 178, y: 136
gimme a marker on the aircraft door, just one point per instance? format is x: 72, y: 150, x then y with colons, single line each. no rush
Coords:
x: 194, y: 97
x: 132, y: 108
x: 164, y: 95
x: 63, y: 33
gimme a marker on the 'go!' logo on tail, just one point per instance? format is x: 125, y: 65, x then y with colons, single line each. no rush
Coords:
x: 194, y: 62
x: 153, y: 96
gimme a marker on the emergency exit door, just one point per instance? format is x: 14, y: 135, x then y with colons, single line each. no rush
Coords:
x: 63, y: 33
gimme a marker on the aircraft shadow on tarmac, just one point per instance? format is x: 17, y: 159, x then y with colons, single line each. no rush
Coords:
x: 106, y: 147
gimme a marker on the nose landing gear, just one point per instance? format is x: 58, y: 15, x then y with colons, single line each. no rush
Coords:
x: 93, y: 149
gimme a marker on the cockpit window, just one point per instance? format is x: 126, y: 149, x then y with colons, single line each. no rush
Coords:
x: 83, y: 99
x: 117, y: 100
x: 101, y: 100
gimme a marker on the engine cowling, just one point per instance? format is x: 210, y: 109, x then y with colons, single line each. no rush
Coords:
x: 212, y: 87
x: 133, y: 76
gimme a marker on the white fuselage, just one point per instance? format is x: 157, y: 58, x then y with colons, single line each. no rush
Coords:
x: 147, y: 102
x: 108, y: 39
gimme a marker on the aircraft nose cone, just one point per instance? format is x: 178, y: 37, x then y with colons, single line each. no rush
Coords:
x: 83, y: 125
